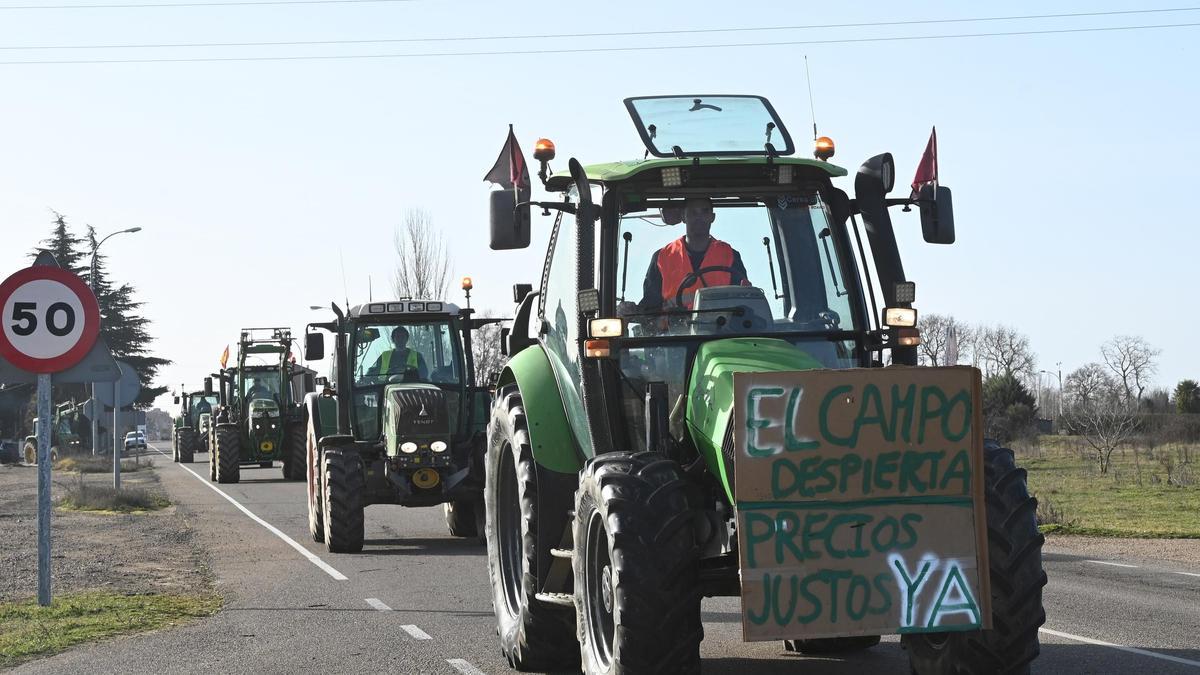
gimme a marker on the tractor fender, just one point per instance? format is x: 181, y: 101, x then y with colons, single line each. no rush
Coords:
x: 322, y: 411
x: 554, y: 445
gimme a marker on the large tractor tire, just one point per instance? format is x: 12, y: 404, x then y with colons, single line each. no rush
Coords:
x: 1015, y: 561
x: 342, y: 489
x: 212, y: 459
x: 175, y: 445
x: 30, y: 452
x: 316, y: 495
x: 460, y: 518
x: 187, y: 444
x: 534, y: 635
x: 228, y: 455
x: 295, y: 451
x: 636, y: 564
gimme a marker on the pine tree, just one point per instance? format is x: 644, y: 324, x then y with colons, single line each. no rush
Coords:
x: 65, y: 246
x: 125, y: 331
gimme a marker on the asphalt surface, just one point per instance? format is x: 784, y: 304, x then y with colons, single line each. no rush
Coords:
x: 417, y: 601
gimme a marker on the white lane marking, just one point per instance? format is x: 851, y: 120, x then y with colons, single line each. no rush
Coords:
x: 1124, y: 648
x: 1113, y: 564
x: 378, y: 604
x: 1190, y: 574
x: 415, y: 632
x: 464, y: 667
x: 312, y: 557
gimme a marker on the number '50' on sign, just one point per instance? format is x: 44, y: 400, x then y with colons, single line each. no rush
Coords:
x: 49, y: 319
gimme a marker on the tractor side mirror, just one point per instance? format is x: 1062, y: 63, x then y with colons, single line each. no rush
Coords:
x: 510, y: 224
x: 314, y: 346
x: 937, y: 214
x: 520, y: 291
x: 176, y: 400
x: 208, y: 388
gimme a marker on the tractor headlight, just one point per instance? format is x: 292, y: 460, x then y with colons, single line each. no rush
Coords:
x: 438, y: 446
x: 897, y: 317
x: 408, y: 448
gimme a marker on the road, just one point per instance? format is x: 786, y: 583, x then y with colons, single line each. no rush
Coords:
x: 417, y: 601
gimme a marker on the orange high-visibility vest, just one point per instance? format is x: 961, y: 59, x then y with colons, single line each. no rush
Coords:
x: 674, y: 264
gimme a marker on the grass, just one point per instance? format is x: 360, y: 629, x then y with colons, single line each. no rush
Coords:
x: 104, y: 499
x: 27, y: 630
x: 100, y: 465
x: 1140, y: 496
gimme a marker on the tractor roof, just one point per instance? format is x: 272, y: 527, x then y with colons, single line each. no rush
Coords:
x: 613, y: 172
x: 392, y: 310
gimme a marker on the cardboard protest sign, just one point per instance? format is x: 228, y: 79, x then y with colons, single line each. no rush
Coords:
x: 860, y: 502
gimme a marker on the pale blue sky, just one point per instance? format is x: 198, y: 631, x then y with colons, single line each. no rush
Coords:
x: 1072, y: 156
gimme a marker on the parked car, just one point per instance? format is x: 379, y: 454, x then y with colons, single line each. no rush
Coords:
x: 10, y: 452
x: 135, y: 440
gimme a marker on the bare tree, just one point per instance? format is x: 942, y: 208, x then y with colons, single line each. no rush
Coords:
x: 1105, y: 425
x: 485, y: 349
x: 1004, y: 351
x: 936, y: 330
x: 1131, y: 359
x: 424, y: 267
x: 1087, y: 385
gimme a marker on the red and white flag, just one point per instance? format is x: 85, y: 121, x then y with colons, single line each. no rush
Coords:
x: 510, y: 170
x: 927, y: 170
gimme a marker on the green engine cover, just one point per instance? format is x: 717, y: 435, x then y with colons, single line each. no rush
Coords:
x: 710, y: 403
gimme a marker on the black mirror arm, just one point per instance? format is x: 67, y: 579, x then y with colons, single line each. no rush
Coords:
x: 565, y: 207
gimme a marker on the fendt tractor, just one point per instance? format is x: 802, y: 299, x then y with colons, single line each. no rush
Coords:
x: 723, y: 424
x: 70, y: 433
x: 186, y: 438
x: 259, y: 419
x: 401, y: 419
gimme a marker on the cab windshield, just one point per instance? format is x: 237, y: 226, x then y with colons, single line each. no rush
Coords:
x: 262, y: 384
x: 727, y: 266
x: 384, y: 354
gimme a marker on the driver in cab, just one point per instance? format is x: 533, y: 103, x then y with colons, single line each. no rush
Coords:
x: 695, y: 260
x: 401, y: 360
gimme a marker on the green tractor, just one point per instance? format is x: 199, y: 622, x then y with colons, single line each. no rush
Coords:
x: 726, y: 427
x: 187, y: 438
x: 401, y: 419
x: 69, y: 432
x: 259, y: 419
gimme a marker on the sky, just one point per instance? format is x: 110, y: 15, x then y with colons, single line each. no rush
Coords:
x: 1071, y: 155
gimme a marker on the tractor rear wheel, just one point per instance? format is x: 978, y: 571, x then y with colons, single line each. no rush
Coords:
x: 228, y: 455
x: 175, y: 445
x: 839, y: 645
x: 460, y: 518
x: 534, y: 635
x: 212, y: 460
x: 295, y: 451
x: 316, y: 497
x: 1015, y: 561
x: 636, y: 564
x: 187, y: 443
x: 30, y: 453
x: 342, y: 507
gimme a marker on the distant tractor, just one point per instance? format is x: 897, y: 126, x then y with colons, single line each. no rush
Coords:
x: 725, y: 425
x: 259, y: 420
x: 401, y: 420
x: 186, y: 438
x: 69, y: 431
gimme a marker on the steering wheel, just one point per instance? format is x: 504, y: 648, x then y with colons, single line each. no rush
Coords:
x: 698, y: 275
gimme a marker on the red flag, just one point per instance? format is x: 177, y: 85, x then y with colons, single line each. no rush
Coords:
x: 225, y: 356
x: 927, y: 170
x: 510, y: 169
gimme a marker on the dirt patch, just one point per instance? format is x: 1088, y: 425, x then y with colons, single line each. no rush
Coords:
x: 154, y: 552
x: 1184, y: 551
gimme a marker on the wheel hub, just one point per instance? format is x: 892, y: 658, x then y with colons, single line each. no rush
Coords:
x: 606, y: 589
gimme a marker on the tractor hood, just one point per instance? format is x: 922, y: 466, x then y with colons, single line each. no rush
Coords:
x: 263, y: 407
x: 710, y: 404
x: 418, y: 413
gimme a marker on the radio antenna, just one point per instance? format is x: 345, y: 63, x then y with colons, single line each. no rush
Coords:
x: 811, y: 107
x: 345, y: 292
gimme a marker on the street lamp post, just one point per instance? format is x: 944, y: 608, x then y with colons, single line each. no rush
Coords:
x: 1060, y: 386
x: 92, y: 285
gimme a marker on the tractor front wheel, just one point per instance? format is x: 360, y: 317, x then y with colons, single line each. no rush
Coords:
x: 342, y: 507
x: 186, y: 443
x: 534, y: 635
x: 228, y: 455
x: 636, y: 564
x: 30, y: 453
x: 295, y: 451
x: 1015, y: 562
x: 460, y: 518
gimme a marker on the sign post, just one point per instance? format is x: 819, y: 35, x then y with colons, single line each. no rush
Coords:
x: 49, y: 321
x: 125, y: 390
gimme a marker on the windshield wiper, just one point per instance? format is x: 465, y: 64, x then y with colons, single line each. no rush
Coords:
x: 824, y: 237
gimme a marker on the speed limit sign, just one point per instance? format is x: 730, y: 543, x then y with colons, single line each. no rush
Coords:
x: 49, y: 319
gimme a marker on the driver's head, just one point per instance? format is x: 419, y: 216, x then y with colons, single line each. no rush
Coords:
x: 698, y: 215
x: 400, y: 337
